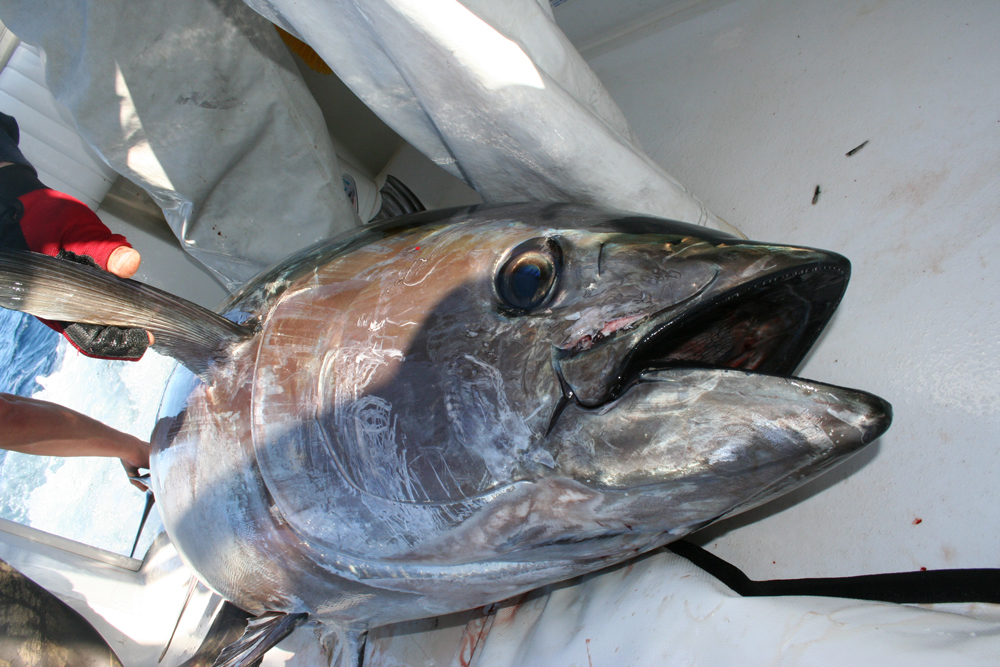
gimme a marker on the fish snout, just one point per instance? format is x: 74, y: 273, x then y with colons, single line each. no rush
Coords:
x: 864, y: 417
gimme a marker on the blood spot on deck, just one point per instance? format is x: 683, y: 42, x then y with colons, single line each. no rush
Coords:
x: 474, y: 633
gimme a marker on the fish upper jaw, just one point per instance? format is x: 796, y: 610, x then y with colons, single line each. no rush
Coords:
x: 748, y: 306
x: 590, y: 333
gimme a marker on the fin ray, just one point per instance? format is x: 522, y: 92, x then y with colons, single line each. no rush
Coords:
x: 262, y: 633
x: 55, y: 289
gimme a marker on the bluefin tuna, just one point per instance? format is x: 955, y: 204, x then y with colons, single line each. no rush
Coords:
x: 452, y: 408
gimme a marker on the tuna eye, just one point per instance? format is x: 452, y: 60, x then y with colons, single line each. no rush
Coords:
x: 526, y: 278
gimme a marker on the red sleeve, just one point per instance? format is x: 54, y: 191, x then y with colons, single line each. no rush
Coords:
x: 55, y: 221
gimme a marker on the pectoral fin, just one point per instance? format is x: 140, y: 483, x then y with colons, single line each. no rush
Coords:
x: 262, y: 633
x: 60, y: 290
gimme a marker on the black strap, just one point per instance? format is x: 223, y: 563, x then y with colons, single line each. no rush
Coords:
x: 925, y: 587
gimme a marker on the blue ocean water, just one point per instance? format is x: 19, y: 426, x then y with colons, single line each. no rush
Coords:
x: 85, y: 499
x: 28, y: 349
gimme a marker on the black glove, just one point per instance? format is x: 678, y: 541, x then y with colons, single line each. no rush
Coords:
x: 102, y: 342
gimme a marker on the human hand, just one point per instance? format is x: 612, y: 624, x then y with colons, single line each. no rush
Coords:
x: 136, y: 478
x: 124, y: 261
x: 57, y: 224
x: 100, y: 341
x: 135, y: 459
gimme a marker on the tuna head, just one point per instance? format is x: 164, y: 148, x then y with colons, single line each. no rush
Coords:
x: 453, y: 408
x: 637, y: 363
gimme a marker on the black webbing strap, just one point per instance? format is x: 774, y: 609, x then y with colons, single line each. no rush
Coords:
x: 926, y: 587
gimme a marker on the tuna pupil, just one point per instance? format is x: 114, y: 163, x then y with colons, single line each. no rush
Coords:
x: 525, y: 282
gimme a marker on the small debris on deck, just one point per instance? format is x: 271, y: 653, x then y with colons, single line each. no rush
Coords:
x: 816, y: 196
x: 856, y: 148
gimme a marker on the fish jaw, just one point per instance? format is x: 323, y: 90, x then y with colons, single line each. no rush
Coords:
x: 680, y: 449
x: 684, y: 447
x: 744, y: 305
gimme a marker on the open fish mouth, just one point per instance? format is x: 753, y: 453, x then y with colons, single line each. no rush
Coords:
x: 766, y: 324
x: 698, y: 403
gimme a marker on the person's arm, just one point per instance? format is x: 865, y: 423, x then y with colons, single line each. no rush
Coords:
x: 79, y: 230
x: 32, y: 426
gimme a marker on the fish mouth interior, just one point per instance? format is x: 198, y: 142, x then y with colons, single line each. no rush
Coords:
x: 767, y: 326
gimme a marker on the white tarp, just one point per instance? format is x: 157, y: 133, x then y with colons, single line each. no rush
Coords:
x: 493, y: 92
x: 200, y: 103
x: 663, y: 610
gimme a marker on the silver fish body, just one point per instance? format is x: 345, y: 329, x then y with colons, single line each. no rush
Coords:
x: 452, y: 409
